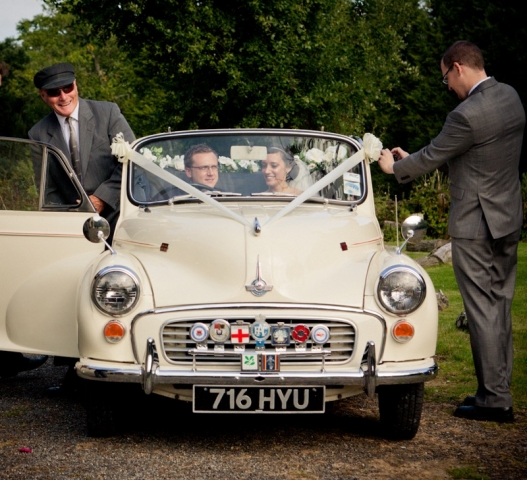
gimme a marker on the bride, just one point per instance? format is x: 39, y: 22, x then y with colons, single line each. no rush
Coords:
x: 285, y: 174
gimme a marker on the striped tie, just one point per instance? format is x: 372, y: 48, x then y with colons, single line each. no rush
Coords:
x: 74, y: 149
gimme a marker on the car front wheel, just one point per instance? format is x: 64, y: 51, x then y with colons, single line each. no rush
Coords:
x: 400, y: 409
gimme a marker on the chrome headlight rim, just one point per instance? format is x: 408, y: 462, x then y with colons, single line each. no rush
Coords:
x: 104, y: 272
x: 397, y: 269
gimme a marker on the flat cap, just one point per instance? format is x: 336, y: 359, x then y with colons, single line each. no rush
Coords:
x: 54, y: 76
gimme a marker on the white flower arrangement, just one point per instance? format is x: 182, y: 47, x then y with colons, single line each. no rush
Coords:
x: 317, y: 160
x: 372, y: 147
x: 250, y: 165
x: 155, y: 155
x: 323, y: 161
x: 226, y: 164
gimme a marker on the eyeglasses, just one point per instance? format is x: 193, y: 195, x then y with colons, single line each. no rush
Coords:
x: 55, y: 92
x: 212, y: 168
x: 445, y: 80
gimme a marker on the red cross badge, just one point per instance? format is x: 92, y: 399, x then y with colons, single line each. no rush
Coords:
x: 240, y: 334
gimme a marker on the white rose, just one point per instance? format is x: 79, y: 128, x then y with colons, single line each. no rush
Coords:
x: 314, y: 155
x: 254, y: 166
x: 228, y: 162
x: 245, y: 163
x: 372, y: 147
x: 179, y: 163
x: 147, y: 153
x: 329, y: 154
x: 164, y: 162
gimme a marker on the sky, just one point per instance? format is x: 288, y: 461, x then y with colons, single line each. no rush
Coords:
x: 12, y: 11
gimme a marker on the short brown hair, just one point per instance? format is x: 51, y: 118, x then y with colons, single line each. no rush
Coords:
x: 199, y: 148
x: 466, y: 53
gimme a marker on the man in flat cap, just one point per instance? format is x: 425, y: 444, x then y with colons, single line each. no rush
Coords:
x: 83, y: 129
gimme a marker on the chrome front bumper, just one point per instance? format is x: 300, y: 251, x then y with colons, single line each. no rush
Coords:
x: 369, y: 376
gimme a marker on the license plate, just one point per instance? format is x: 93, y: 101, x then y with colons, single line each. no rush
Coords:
x: 228, y: 399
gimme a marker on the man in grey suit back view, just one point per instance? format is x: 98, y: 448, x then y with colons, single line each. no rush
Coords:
x: 481, y: 142
x: 91, y: 126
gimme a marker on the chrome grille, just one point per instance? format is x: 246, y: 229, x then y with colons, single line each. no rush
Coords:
x: 177, y: 342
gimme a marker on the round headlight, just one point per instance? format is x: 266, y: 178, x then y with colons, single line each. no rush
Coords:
x: 401, y: 289
x: 115, y: 290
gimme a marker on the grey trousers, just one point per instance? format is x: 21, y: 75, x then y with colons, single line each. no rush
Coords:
x: 485, y: 270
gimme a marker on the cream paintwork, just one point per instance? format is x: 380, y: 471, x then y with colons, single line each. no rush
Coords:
x: 92, y: 321
x: 211, y: 258
x: 424, y: 319
x: 47, y: 257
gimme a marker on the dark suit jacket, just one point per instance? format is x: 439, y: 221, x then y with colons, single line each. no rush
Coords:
x: 99, y: 122
x: 481, y: 141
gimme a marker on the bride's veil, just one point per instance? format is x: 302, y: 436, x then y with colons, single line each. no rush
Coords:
x: 302, y: 179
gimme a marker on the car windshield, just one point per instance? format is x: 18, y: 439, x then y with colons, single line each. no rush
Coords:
x: 230, y: 164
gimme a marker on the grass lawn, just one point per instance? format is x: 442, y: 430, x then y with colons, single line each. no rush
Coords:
x: 456, y: 377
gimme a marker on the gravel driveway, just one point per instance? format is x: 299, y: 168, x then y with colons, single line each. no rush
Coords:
x: 163, y: 439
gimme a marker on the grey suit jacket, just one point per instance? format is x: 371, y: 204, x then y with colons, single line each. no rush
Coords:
x: 99, y: 122
x: 481, y: 142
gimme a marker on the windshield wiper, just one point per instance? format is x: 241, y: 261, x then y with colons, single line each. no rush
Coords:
x: 219, y: 193
x: 273, y: 194
x: 212, y: 193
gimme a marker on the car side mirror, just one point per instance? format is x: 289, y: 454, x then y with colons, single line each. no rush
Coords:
x: 96, y: 229
x: 413, y: 226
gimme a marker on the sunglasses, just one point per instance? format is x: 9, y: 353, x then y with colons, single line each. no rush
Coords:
x: 55, y: 92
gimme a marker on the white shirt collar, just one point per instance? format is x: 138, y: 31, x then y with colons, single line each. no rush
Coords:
x: 74, y: 115
x: 481, y: 81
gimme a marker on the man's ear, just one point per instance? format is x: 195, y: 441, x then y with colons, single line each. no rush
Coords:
x: 188, y: 172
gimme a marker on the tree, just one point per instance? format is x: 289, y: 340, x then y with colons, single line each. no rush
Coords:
x: 498, y: 28
x: 102, y: 71
x: 261, y: 63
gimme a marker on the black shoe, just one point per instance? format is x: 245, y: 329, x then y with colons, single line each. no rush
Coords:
x: 497, y: 414
x: 469, y: 401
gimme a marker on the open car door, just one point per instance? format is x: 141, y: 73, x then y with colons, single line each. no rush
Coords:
x: 43, y: 252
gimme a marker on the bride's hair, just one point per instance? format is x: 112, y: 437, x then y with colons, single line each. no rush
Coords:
x: 289, y: 161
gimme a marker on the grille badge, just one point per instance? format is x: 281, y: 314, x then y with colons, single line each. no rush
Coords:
x: 260, y: 331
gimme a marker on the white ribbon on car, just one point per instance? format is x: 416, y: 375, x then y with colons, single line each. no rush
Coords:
x: 123, y: 151
x: 371, y: 151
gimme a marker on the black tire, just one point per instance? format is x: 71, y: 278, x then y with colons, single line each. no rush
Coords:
x: 400, y: 408
x: 101, y: 403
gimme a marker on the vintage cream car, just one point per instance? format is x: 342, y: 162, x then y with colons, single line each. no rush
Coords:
x: 264, y: 288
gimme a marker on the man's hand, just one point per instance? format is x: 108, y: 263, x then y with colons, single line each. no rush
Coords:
x: 387, y: 159
x: 97, y: 203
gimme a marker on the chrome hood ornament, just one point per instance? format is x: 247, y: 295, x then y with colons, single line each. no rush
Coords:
x: 259, y: 286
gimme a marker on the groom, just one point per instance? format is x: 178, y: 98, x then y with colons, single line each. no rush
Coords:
x: 481, y: 142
